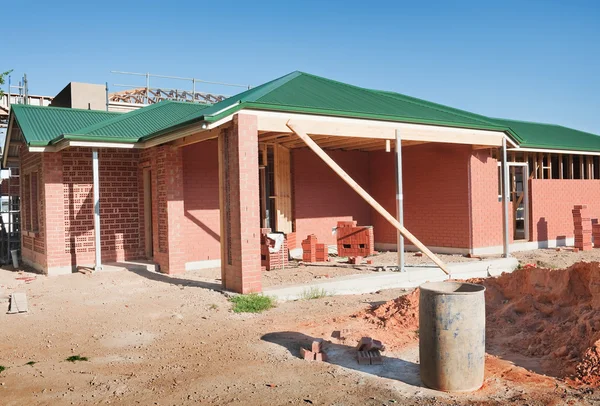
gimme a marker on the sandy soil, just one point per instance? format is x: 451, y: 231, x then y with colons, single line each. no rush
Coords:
x: 153, y: 339
x: 553, y: 259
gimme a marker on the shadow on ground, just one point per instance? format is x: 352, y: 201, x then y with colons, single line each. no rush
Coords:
x: 345, y: 356
x: 173, y: 280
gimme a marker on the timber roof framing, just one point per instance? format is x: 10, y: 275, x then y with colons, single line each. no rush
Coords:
x: 325, y: 108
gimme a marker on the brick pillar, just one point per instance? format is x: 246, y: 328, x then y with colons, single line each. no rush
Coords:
x: 52, y: 200
x: 240, y: 217
x: 168, y: 198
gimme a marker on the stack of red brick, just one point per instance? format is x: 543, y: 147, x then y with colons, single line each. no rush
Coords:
x: 596, y: 234
x: 272, y: 260
x: 353, y: 240
x: 312, y: 251
x: 316, y: 353
x: 582, y: 228
x: 369, y: 351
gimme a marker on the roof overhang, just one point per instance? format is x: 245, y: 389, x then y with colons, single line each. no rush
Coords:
x: 554, y: 151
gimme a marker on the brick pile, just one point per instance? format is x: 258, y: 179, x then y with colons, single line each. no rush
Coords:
x: 272, y: 260
x: 596, y: 233
x: 316, y: 352
x: 312, y: 251
x: 368, y: 351
x: 353, y: 240
x: 582, y: 228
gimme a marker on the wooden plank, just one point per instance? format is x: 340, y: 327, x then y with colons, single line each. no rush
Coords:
x: 18, y: 303
x: 199, y: 137
x: 570, y: 167
x: 363, y: 193
x: 350, y: 127
x: 283, y: 189
x: 561, y: 166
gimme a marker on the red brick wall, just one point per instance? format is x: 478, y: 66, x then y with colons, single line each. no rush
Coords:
x: 436, y: 189
x: 552, y: 201
x: 33, y: 246
x: 201, y: 225
x: 486, y: 209
x: 119, y: 205
x: 321, y: 198
x: 241, y: 271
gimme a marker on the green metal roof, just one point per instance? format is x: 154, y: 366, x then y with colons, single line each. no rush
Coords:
x: 132, y: 126
x: 551, y: 136
x: 296, y: 92
x: 40, y: 125
x: 305, y: 93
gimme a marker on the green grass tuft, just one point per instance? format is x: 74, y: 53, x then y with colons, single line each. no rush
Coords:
x: 31, y: 363
x: 313, y: 293
x: 2, y: 368
x: 252, y: 303
x: 75, y: 358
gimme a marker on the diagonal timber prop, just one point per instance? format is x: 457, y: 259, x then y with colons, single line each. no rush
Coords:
x: 363, y: 193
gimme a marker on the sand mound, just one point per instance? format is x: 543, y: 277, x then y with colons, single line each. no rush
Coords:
x: 402, y: 312
x: 546, y: 320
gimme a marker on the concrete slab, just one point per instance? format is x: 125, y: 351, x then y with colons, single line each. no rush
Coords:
x: 413, y: 277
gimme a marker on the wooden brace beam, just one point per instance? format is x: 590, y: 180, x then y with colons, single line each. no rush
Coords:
x: 363, y: 193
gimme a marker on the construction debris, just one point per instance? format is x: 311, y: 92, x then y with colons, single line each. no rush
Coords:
x: 18, y: 303
x: 316, y: 354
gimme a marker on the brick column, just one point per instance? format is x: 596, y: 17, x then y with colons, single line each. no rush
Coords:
x: 240, y: 214
x: 168, y: 198
x: 52, y: 200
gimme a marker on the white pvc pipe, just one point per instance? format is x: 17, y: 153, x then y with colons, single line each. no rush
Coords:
x: 505, y: 199
x: 96, y: 176
x: 399, y: 200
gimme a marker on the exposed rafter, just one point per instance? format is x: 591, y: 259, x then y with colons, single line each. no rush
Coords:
x: 141, y: 95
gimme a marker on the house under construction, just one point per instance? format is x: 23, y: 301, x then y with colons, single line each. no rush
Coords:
x: 189, y: 185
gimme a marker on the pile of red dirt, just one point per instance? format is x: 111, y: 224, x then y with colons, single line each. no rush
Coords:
x: 402, y: 312
x: 550, y: 316
x: 545, y: 320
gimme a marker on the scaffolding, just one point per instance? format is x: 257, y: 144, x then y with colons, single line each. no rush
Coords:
x: 10, y: 215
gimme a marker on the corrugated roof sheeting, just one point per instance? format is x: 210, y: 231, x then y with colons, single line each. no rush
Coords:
x: 296, y: 92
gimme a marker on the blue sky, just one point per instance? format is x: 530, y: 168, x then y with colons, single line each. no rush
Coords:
x: 528, y: 60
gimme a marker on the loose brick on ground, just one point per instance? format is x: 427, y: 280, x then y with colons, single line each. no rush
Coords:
x: 363, y: 358
x: 317, y: 345
x: 307, y: 355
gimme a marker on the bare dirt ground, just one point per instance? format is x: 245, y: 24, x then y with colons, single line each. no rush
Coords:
x: 153, y: 339
x: 553, y: 259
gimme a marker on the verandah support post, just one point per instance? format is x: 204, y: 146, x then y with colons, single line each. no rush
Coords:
x: 399, y: 200
x: 363, y: 193
x: 96, y: 186
x: 505, y: 198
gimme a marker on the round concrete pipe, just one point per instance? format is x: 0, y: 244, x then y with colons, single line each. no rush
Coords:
x: 452, y: 335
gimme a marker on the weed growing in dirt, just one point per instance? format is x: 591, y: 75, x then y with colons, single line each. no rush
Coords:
x: 313, y: 293
x: 2, y: 368
x: 252, y: 303
x: 31, y: 363
x: 75, y: 358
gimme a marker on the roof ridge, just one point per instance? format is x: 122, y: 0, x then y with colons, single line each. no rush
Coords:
x: 121, y: 117
x: 32, y: 106
x: 413, y: 100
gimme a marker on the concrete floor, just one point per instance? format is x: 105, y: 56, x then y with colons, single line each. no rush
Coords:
x: 411, y: 278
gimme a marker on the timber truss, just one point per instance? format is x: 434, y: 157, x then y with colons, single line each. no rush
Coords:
x: 142, y: 95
